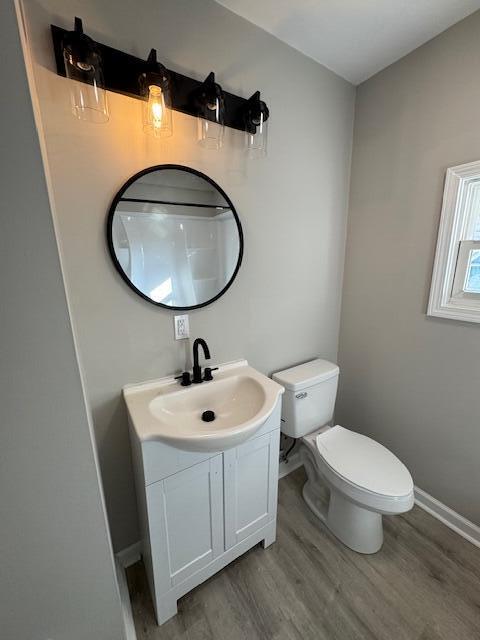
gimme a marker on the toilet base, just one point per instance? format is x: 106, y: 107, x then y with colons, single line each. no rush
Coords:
x: 356, y: 527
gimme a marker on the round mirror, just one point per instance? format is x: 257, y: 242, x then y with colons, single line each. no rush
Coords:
x: 175, y: 237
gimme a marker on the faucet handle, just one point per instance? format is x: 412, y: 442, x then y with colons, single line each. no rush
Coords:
x: 208, y: 373
x: 185, y: 378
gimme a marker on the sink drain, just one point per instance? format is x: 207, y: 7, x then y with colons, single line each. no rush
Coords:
x: 208, y: 416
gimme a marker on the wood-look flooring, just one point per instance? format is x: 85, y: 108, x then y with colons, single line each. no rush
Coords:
x: 424, y: 584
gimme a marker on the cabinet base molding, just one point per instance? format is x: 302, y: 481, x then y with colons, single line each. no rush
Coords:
x: 166, y: 603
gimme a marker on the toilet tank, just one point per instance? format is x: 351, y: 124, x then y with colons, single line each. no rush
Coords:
x: 309, y: 398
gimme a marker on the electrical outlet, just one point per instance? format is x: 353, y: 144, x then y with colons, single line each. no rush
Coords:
x: 182, y: 330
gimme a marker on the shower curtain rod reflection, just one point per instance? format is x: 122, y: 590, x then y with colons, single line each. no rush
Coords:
x: 179, y: 204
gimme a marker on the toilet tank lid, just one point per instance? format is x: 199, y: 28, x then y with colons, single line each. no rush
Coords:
x: 307, y: 374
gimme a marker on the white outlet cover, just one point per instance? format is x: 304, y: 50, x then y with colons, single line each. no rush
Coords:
x: 182, y: 329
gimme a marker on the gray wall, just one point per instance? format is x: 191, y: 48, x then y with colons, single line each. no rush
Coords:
x: 284, y: 306
x: 410, y: 381
x: 56, y: 562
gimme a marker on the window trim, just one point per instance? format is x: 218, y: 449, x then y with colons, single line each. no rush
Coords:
x: 459, y: 190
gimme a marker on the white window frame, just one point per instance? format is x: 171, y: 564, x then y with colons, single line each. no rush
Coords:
x: 447, y: 297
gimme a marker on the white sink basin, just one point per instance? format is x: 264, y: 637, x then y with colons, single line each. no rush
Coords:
x: 241, y: 398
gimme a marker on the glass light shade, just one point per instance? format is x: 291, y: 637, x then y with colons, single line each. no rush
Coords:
x: 210, y: 102
x: 83, y: 66
x: 157, y: 117
x: 256, y: 143
x: 211, y: 129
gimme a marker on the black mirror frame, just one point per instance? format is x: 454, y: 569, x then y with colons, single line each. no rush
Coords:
x: 111, y: 213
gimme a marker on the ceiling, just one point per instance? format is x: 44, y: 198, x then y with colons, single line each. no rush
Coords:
x: 354, y: 38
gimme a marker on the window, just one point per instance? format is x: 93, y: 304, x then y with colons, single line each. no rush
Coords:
x: 455, y: 290
x: 472, y: 281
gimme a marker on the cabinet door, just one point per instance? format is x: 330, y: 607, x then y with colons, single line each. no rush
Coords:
x: 186, y: 521
x: 251, y: 485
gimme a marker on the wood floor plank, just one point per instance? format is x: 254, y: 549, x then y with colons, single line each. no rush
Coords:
x: 424, y: 584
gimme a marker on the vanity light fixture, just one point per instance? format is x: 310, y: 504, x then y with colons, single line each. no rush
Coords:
x: 256, y: 126
x: 209, y: 101
x: 157, y: 108
x: 83, y: 65
x: 94, y: 68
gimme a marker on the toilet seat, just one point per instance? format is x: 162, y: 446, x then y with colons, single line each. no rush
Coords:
x: 363, y: 470
x: 364, y: 462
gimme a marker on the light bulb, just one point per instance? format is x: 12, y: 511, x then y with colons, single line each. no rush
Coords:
x: 157, y: 118
x: 157, y: 110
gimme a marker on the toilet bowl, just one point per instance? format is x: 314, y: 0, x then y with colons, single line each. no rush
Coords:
x: 352, y: 480
x: 364, y: 480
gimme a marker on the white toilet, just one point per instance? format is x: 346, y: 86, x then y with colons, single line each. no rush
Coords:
x: 364, y: 479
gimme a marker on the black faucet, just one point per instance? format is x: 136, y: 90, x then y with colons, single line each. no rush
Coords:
x: 197, y: 369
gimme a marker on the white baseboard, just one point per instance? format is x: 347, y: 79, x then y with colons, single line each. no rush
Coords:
x: 293, y: 463
x: 450, y: 518
x: 129, y: 625
x: 124, y: 559
x: 129, y: 555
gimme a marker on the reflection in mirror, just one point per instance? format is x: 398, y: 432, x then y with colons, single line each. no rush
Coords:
x: 175, y: 237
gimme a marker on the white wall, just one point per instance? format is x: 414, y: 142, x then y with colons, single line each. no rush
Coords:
x: 56, y: 562
x: 284, y: 306
x: 410, y: 381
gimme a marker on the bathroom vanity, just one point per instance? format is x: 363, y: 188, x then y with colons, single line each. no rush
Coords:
x: 206, y: 491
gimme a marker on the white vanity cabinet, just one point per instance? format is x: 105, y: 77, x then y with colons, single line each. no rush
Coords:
x: 201, y: 510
